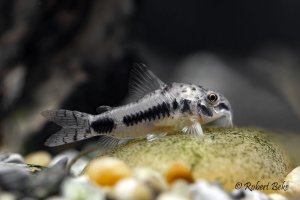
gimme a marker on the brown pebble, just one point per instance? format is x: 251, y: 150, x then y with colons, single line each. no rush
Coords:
x: 179, y: 170
x: 107, y: 171
x: 42, y: 158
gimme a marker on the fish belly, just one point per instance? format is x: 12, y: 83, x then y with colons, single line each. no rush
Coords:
x: 143, y: 129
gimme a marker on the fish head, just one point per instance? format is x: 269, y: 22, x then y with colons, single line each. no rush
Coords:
x: 214, y: 109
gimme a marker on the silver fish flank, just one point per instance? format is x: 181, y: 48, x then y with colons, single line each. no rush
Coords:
x: 157, y: 109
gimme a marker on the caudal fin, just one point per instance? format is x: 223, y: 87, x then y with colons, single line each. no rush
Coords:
x: 67, y: 135
x: 75, y: 126
x: 67, y: 118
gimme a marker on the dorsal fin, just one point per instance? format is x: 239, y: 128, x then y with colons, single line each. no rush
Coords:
x: 142, y: 81
x: 102, y: 109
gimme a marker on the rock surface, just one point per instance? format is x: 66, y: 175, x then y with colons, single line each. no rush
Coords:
x: 224, y: 155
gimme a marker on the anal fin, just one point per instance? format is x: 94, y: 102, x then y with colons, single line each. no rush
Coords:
x: 108, y: 142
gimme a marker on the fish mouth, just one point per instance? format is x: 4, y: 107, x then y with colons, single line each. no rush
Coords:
x: 223, y: 121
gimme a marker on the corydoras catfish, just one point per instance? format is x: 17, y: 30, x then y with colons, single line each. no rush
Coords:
x: 158, y: 109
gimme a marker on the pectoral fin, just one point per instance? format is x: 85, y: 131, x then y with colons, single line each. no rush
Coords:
x: 155, y: 136
x: 195, y: 129
x: 107, y: 142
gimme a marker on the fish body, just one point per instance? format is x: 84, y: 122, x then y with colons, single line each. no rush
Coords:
x: 157, y: 109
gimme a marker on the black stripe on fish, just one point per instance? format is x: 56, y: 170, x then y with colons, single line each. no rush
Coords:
x: 223, y: 106
x: 185, y: 106
x: 165, y: 90
x: 155, y: 112
x: 204, y: 110
x: 175, y: 104
x: 104, y: 125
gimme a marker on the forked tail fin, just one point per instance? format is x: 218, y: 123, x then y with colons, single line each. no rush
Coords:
x: 75, y: 126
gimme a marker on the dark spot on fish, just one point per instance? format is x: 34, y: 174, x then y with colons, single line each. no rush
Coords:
x: 223, y: 106
x: 204, y: 110
x: 193, y: 88
x: 167, y: 88
x: 153, y: 113
x: 184, y: 90
x: 75, y: 135
x: 186, y: 106
x: 175, y: 104
x: 89, y: 127
x: 104, y: 125
x: 181, y: 85
x: 74, y: 118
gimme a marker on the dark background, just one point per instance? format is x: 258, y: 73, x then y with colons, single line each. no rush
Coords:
x: 75, y: 54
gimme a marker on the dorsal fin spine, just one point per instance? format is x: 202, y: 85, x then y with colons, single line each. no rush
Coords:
x: 143, y: 81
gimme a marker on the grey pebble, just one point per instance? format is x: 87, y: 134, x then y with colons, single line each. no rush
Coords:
x: 11, y: 158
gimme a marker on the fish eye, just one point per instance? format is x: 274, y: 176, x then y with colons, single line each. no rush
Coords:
x: 212, y: 97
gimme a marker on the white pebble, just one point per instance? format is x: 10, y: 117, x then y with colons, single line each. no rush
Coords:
x: 255, y: 195
x: 171, y: 196
x: 277, y: 197
x: 151, y: 178
x: 182, y: 188
x: 132, y: 189
x: 81, y: 188
x: 205, y: 190
x: 293, y: 181
x: 7, y: 196
x: 78, y: 167
x: 56, y: 198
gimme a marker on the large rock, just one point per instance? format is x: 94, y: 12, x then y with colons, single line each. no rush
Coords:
x: 225, y: 155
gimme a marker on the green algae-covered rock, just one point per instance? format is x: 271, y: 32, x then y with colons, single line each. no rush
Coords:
x: 227, y: 155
